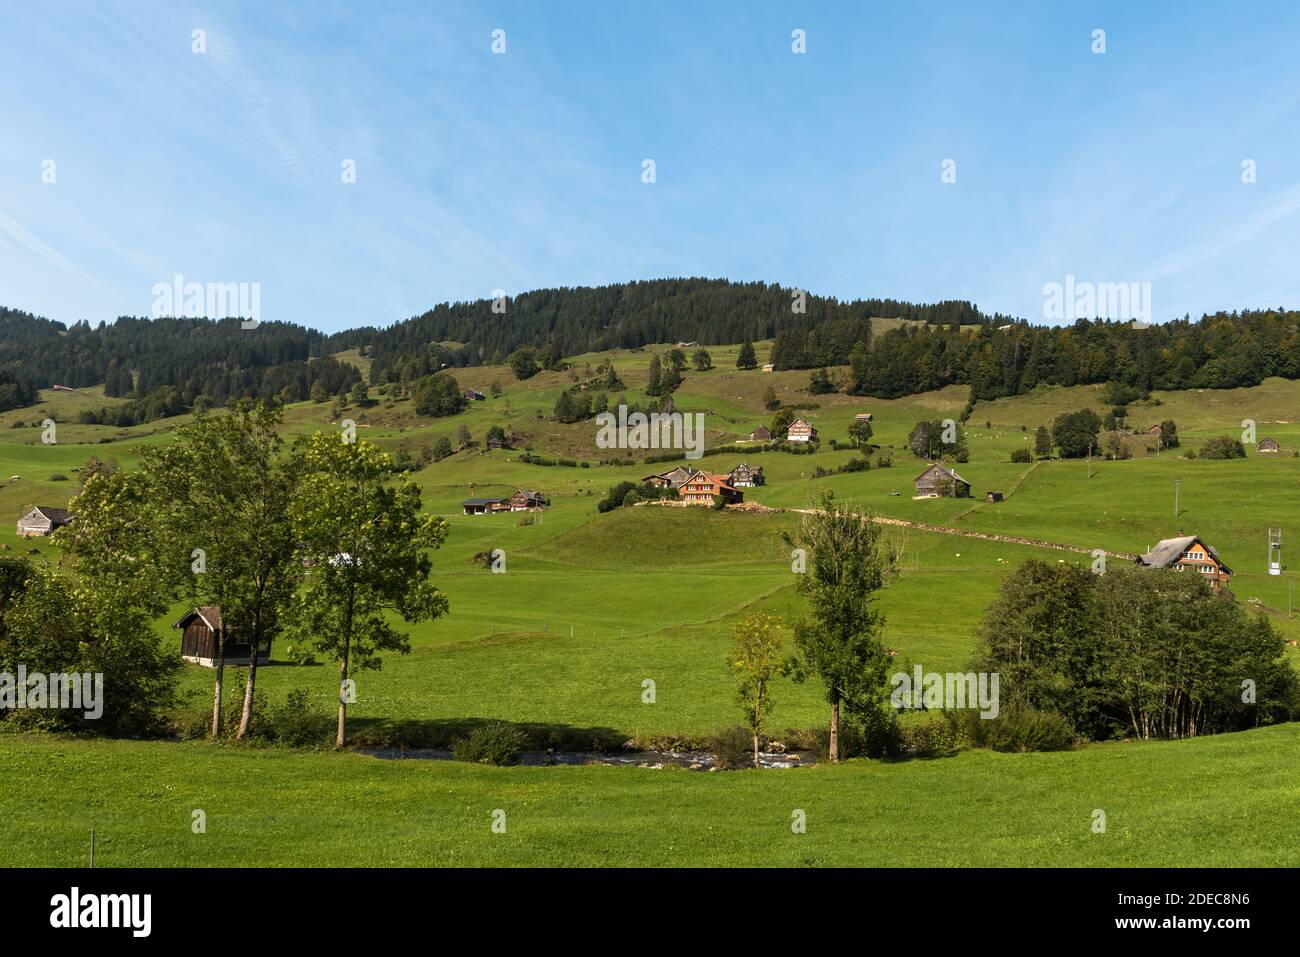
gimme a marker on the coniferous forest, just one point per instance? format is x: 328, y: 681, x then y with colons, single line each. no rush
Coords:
x: 170, y: 363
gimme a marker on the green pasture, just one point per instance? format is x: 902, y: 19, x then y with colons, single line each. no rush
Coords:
x: 1224, y: 801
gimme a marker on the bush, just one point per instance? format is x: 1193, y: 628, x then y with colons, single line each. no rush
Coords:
x: 874, y: 733
x: 58, y: 477
x: 297, y: 724
x: 1021, y: 728
x: 1223, y: 447
x: 1022, y: 456
x: 734, y: 748
x: 885, y: 460
x: 852, y: 465
x: 938, y: 734
x: 496, y: 743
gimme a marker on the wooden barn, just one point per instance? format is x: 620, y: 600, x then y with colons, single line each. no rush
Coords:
x: 42, y: 520
x: 1267, y: 445
x: 939, y: 481
x: 201, y: 630
x: 761, y: 434
x: 673, y: 478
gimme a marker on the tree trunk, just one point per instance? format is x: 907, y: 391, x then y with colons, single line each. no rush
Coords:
x: 343, y: 700
x: 255, y: 645
x: 835, y: 731
x: 342, y: 667
x: 216, y: 693
x: 756, y: 764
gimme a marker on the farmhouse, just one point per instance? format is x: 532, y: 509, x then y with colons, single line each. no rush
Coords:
x: 1154, y: 430
x: 526, y: 500
x: 862, y: 417
x: 42, y: 520
x: 706, y: 488
x: 939, y: 481
x: 1267, y: 445
x: 496, y: 442
x: 801, y: 431
x: 673, y: 478
x: 761, y: 434
x: 746, y: 476
x: 1188, y: 553
x: 483, y: 506
x: 201, y: 630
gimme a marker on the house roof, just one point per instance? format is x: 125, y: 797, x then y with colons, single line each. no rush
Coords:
x: 1169, y: 550
x: 936, y: 465
x: 54, y: 514
x: 211, y: 615
x: 761, y: 428
x: 483, y: 501
x: 672, y: 474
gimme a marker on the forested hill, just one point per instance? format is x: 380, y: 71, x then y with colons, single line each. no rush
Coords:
x: 633, y: 314
x: 214, y: 358
x: 167, y: 364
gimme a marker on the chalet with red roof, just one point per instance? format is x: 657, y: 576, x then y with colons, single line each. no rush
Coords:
x: 708, y: 488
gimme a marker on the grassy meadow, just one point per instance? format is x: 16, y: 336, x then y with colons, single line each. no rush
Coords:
x: 1224, y: 801
x: 592, y: 605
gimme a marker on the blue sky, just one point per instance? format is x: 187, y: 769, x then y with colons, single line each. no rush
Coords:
x: 478, y: 172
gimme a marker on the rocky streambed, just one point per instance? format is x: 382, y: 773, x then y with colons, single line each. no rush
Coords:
x: 691, y: 760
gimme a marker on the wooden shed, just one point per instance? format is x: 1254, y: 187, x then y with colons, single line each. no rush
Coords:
x: 202, y: 628
x: 1267, y: 445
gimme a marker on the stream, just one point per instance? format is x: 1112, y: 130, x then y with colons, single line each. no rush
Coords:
x: 692, y: 760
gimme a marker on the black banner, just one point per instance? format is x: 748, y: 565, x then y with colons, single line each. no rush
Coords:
x: 335, y: 906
